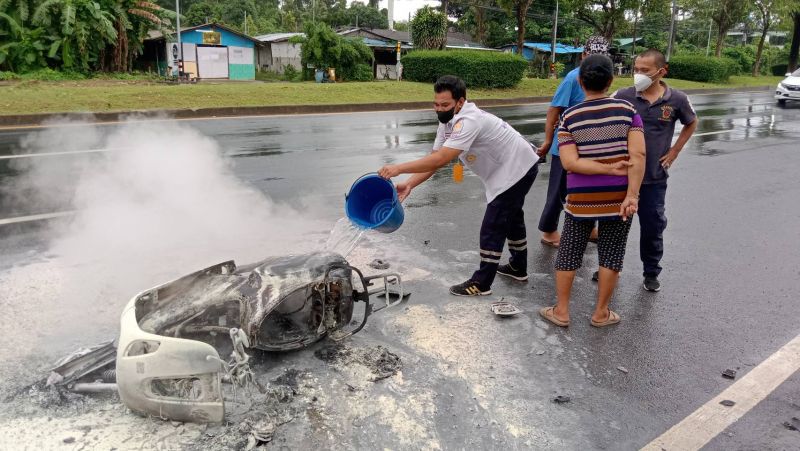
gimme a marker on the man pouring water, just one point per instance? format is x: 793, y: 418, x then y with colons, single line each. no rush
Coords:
x: 502, y: 158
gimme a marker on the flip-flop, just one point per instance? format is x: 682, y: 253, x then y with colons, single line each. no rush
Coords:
x: 554, y: 244
x: 613, y: 318
x: 547, y: 313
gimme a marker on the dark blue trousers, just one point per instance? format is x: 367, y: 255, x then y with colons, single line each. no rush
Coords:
x: 652, y: 222
x: 504, y: 220
x: 556, y: 195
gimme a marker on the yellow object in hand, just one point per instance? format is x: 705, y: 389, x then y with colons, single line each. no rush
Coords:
x: 458, y: 173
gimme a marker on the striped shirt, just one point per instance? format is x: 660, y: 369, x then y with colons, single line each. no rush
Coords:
x: 599, y: 129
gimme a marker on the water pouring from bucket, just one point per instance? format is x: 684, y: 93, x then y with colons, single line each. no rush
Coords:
x: 372, y: 203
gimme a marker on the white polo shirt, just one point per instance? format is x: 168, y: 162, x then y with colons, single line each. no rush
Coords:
x: 491, y: 148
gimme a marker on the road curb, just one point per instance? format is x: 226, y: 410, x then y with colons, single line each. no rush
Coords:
x: 28, y: 120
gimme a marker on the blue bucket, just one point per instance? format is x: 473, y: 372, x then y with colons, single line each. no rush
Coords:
x: 372, y: 203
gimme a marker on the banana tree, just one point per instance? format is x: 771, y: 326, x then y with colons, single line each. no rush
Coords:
x: 134, y: 18
x: 84, y: 27
x: 21, y: 48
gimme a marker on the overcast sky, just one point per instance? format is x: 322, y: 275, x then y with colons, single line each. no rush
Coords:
x: 402, y: 8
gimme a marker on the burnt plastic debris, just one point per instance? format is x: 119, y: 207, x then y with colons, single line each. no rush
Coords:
x: 561, y: 399
x: 379, y: 360
x: 393, y: 295
x: 379, y: 264
x: 729, y: 374
x: 727, y: 403
x: 85, y: 366
x: 503, y: 308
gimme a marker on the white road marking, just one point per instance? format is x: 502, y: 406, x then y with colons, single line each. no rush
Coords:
x: 30, y: 218
x: 705, y: 423
x: 51, y: 154
x: 712, y: 133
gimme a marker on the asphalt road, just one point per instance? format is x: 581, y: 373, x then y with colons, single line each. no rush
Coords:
x: 469, y: 380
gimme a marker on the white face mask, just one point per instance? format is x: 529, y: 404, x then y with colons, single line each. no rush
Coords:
x: 641, y: 82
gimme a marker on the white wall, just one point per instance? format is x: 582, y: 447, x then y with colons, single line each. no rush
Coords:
x: 285, y: 53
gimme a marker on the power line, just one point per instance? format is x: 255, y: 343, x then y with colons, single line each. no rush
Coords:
x: 644, y: 28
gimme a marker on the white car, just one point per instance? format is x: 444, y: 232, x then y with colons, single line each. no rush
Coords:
x: 789, y: 88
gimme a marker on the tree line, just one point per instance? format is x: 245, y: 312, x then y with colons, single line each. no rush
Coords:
x: 107, y: 35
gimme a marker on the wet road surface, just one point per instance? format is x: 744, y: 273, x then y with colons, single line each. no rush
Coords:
x: 729, y: 298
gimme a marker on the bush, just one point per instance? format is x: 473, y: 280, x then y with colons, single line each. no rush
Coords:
x: 734, y: 67
x: 290, y: 73
x: 4, y: 75
x: 127, y: 76
x: 324, y: 48
x: 354, y: 57
x: 479, y: 69
x: 52, y: 75
x: 361, y: 72
x: 701, y: 68
x: 779, y: 70
x: 268, y: 76
x: 744, y: 57
x: 559, y: 69
x: 686, y: 48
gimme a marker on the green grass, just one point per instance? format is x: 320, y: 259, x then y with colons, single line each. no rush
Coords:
x: 100, y: 95
x: 269, y: 76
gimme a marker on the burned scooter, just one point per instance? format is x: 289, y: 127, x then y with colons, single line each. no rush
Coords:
x: 172, y: 336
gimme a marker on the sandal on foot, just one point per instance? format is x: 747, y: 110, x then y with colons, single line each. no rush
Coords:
x: 549, y: 243
x: 613, y: 318
x: 548, y: 313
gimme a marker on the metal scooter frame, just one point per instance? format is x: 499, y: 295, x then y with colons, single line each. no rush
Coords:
x: 366, y: 282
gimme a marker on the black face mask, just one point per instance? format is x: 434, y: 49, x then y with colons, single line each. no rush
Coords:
x: 446, y: 116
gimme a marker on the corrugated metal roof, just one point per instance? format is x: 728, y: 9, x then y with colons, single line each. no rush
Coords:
x: 469, y: 47
x: 455, y: 39
x: 277, y: 37
x: 158, y: 34
x: 545, y: 47
x: 370, y: 42
x: 626, y: 41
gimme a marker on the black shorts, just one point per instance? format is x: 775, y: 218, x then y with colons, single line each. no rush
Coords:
x: 612, y: 238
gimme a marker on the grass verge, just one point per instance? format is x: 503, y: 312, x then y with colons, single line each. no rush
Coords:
x: 101, y: 95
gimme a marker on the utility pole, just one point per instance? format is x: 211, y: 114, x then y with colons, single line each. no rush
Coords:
x: 553, y: 46
x: 178, y: 31
x: 245, y: 22
x: 672, y: 29
x: 708, y: 46
x: 633, y: 48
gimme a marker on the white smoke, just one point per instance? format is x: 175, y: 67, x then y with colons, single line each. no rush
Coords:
x: 168, y: 193
x: 162, y: 203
